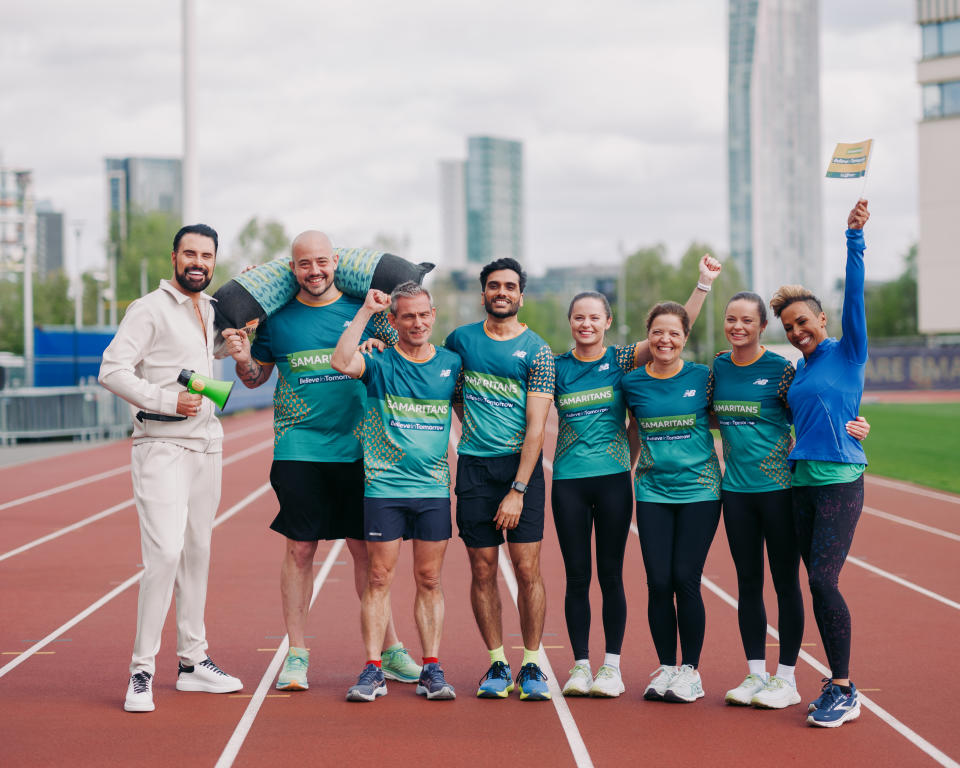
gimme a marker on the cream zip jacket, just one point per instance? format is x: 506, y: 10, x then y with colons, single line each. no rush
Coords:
x: 158, y: 337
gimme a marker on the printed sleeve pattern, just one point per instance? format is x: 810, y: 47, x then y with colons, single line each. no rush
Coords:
x: 785, y: 381
x: 380, y: 328
x: 543, y: 373
x: 627, y: 356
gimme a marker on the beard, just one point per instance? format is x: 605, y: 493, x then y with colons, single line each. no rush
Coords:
x: 191, y: 286
x: 508, y: 311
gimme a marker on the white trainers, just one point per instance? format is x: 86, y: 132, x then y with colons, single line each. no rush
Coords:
x: 139, y: 693
x: 607, y: 684
x: 685, y: 687
x: 662, y: 677
x: 776, y: 694
x: 579, y: 682
x: 206, y: 677
x: 743, y: 694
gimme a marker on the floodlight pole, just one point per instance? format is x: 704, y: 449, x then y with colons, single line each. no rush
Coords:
x: 191, y: 174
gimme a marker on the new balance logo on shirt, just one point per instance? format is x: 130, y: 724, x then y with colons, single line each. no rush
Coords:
x: 690, y: 393
x: 445, y: 373
x: 604, y: 367
x: 761, y: 382
x: 521, y: 353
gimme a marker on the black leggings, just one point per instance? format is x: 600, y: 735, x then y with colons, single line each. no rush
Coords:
x: 578, y: 504
x: 675, y: 539
x: 826, y: 517
x: 752, y: 519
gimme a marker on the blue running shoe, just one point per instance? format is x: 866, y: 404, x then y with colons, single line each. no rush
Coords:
x: 432, y: 683
x: 369, y: 685
x: 840, y: 708
x: 497, y: 683
x: 532, y: 682
x: 825, y: 694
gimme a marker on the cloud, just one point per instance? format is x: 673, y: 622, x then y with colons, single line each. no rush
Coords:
x: 336, y: 114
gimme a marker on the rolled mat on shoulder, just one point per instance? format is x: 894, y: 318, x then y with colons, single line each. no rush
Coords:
x: 251, y: 297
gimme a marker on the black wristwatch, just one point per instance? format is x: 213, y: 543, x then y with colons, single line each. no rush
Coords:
x: 518, y: 486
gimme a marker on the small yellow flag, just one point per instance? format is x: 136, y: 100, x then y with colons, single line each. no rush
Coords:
x: 850, y: 161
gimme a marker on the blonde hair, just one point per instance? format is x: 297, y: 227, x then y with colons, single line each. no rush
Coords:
x: 790, y: 294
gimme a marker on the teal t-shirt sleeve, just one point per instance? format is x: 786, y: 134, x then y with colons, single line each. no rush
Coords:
x: 543, y: 372
x: 627, y: 356
x: 260, y: 348
x: 371, y: 365
x: 379, y: 328
x: 786, y: 379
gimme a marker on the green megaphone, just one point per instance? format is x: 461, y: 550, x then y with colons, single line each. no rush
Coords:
x: 212, y: 389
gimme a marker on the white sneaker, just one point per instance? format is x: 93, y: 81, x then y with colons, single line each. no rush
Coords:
x: 139, y: 693
x: 686, y: 686
x: 743, y: 694
x: 662, y: 677
x: 776, y: 694
x: 579, y: 682
x: 206, y: 677
x: 607, y: 684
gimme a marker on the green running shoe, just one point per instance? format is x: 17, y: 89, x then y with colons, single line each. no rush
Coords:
x: 398, y: 664
x: 293, y: 676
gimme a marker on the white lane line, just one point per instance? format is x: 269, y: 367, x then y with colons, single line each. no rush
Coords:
x: 915, y: 489
x: 232, y: 749
x: 912, y: 524
x: 569, y: 725
x: 117, y: 507
x: 909, y: 734
x: 39, y: 645
x: 65, y: 487
x: 97, y: 478
x: 903, y: 582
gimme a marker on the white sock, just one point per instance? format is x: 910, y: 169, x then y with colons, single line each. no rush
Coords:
x: 757, y: 667
x: 612, y: 660
x: 787, y: 674
x: 582, y: 663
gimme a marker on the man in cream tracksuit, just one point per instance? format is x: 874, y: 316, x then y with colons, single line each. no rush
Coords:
x: 176, y: 462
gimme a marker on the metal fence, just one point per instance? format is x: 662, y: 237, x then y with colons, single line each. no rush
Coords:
x: 85, y: 413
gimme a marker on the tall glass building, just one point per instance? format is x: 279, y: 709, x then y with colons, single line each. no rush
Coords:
x: 493, y: 177
x: 938, y: 160
x: 773, y: 143
x: 142, y: 185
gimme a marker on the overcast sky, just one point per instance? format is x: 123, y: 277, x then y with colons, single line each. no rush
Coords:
x: 334, y: 114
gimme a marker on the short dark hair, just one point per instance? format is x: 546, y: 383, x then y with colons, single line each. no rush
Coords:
x: 504, y: 263
x: 669, y: 308
x: 196, y: 229
x: 590, y: 295
x: 755, y: 298
x: 791, y: 294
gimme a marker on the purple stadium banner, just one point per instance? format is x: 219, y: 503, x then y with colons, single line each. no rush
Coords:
x: 913, y: 368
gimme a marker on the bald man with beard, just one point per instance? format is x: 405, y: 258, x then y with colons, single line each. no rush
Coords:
x: 317, y: 470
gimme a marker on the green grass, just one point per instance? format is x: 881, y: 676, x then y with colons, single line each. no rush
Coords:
x: 919, y: 443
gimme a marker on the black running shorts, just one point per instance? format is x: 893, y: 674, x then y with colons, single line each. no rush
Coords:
x: 318, y: 500
x: 482, y: 482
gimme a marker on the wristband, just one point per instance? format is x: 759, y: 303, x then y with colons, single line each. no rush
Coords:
x: 702, y: 287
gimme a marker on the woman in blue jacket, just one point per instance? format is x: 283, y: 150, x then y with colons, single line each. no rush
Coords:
x: 828, y: 462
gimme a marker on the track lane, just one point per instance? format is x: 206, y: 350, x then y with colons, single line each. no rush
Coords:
x: 243, y: 612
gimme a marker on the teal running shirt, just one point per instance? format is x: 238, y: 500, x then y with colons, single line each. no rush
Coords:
x: 750, y: 402
x: 497, y: 378
x: 678, y: 463
x: 316, y: 411
x: 592, y: 436
x: 406, y: 428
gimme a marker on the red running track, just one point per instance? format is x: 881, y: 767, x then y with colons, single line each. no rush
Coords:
x: 68, y: 606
